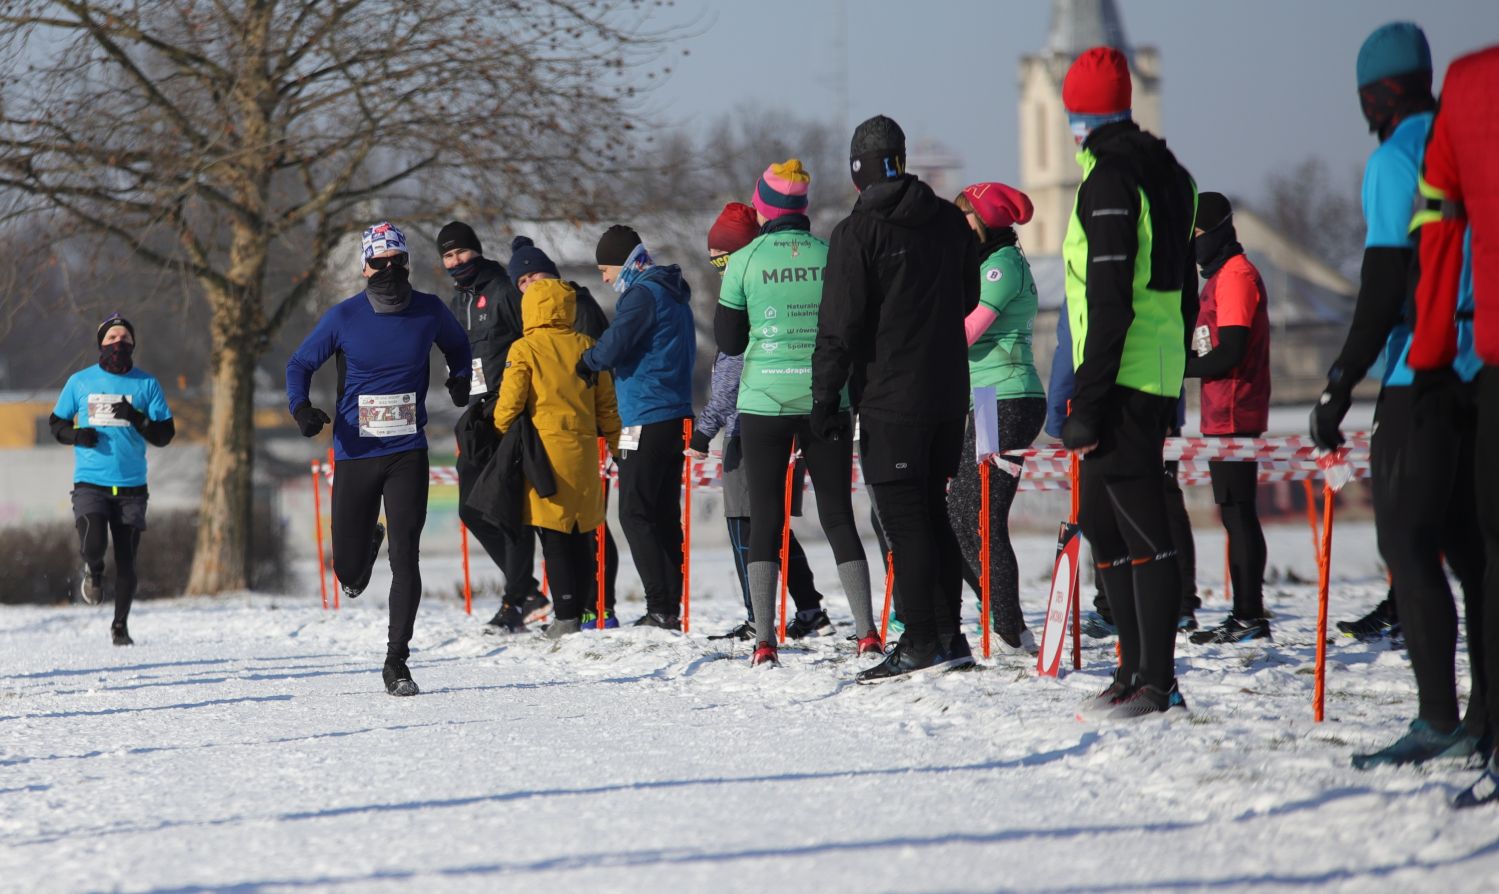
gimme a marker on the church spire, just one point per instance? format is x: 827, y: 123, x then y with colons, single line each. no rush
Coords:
x: 1077, y: 25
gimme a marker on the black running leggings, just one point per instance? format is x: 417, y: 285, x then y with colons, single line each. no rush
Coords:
x: 767, y: 443
x: 359, y: 486
x: 1486, y: 479
x: 572, y: 563
x: 93, y: 533
x: 1236, y: 491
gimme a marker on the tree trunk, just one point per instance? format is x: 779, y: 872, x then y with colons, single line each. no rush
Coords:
x: 221, y: 557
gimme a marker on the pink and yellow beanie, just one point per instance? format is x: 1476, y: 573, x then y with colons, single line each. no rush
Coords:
x: 782, y: 189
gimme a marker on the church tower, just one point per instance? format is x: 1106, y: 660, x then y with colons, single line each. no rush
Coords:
x: 1048, y: 169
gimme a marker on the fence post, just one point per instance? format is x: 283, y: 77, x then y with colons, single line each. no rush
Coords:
x: 1324, y: 573
x: 1075, y: 472
x: 317, y: 527
x: 333, y: 471
x: 889, y: 589
x: 687, y: 527
x: 984, y: 581
x: 786, y: 540
x: 600, y: 557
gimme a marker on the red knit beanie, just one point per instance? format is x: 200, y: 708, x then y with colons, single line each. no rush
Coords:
x: 735, y: 228
x: 1097, y: 83
x: 998, y: 205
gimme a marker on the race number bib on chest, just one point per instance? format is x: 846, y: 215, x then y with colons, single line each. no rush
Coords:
x: 387, y: 415
x: 476, y: 383
x: 101, y: 411
x: 1202, y: 341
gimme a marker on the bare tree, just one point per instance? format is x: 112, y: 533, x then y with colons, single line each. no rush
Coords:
x: 215, y: 137
x: 1312, y: 208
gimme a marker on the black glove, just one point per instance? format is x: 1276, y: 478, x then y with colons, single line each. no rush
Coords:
x: 125, y: 410
x: 830, y: 423
x: 1078, y: 432
x: 700, y: 442
x: 85, y: 437
x: 1327, y: 417
x: 589, y: 377
x: 458, y: 390
x: 310, y: 419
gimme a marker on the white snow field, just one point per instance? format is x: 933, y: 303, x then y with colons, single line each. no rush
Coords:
x: 246, y: 744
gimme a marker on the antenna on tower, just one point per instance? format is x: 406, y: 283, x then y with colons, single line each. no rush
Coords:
x: 840, y: 62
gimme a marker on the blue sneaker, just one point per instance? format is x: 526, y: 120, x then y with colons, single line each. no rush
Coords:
x: 1484, y: 791
x: 1420, y: 745
x: 896, y: 627
x: 590, y: 620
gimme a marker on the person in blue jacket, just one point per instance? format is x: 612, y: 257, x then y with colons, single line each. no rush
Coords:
x: 383, y: 337
x: 1100, y: 622
x: 108, y: 413
x: 650, y: 348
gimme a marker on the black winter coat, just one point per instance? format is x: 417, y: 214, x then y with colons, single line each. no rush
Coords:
x: 903, y: 272
x: 489, y: 310
x: 499, y: 493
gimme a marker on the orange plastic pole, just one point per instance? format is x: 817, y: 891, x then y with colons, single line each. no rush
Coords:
x: 468, y: 589
x: 687, y: 528
x: 984, y: 582
x: 786, y: 539
x: 599, y: 559
x: 333, y: 468
x: 317, y: 527
x: 1077, y: 607
x: 1324, y: 572
x: 889, y: 589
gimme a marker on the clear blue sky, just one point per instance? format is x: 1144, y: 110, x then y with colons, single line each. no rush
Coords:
x: 1248, y: 86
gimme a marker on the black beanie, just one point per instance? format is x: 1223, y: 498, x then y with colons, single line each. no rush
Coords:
x: 526, y: 258
x: 1212, y: 209
x: 877, y: 152
x: 112, y: 320
x: 457, y: 235
x: 615, y: 246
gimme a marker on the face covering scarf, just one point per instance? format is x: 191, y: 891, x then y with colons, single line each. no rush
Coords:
x: 389, y: 290
x: 116, y: 358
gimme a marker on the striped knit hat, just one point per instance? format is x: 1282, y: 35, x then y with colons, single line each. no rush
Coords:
x: 782, y: 190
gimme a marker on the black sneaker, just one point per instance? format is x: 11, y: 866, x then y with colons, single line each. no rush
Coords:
x: 907, y: 657
x: 120, y: 635
x: 744, y: 632
x: 958, y: 655
x: 91, y: 589
x: 507, y: 620
x: 819, y: 624
x: 1110, y: 698
x: 1233, y: 630
x: 535, y: 607
x: 352, y: 591
x: 1096, y: 626
x: 656, y: 619
x: 1421, y: 744
x: 1484, y: 791
x: 398, y: 679
x: 1187, y: 622
x: 1148, y: 700
x: 1374, y: 626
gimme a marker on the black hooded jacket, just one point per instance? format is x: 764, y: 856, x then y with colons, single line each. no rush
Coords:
x: 903, y: 273
x: 489, y: 310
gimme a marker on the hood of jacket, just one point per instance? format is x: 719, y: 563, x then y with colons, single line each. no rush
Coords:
x: 669, y: 277
x: 904, y: 201
x: 548, y: 304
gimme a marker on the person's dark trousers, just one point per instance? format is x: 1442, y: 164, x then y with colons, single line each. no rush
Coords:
x: 799, y: 580
x: 650, y: 512
x: 514, y: 556
x: 767, y: 443
x: 1236, y: 491
x: 400, y: 479
x: 571, y: 562
x: 1122, y: 510
x: 1486, y: 480
x: 908, y: 467
x: 1181, y: 538
x: 103, y: 517
x: 1422, y: 457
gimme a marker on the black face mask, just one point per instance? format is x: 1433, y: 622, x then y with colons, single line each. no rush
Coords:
x: 116, y: 358
x: 1214, y: 247
x: 389, y: 290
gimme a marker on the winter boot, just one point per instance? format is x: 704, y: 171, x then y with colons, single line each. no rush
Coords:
x: 398, y: 679
x: 1421, y: 744
x: 1233, y: 630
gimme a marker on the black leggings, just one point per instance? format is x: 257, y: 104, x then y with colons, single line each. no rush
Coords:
x: 514, y: 556
x: 1486, y: 479
x: 650, y: 513
x: 767, y: 444
x: 571, y: 559
x: 358, y: 487
x: 799, y: 580
x: 93, y: 532
x: 1425, y: 504
x: 1181, y: 538
x: 1019, y: 422
x: 1236, y: 491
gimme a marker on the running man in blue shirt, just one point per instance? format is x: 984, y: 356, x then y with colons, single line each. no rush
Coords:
x: 108, y: 413
x: 383, y: 338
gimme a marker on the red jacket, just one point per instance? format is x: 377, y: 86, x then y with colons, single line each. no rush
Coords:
x: 1460, y: 182
x: 1237, y: 403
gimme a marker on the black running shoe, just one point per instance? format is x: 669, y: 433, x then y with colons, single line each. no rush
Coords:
x: 92, y: 587
x: 1187, y: 622
x: 958, y: 655
x: 656, y: 619
x: 1096, y: 626
x: 120, y: 635
x: 818, y: 624
x: 744, y: 632
x: 1148, y: 700
x: 909, y: 656
x: 535, y: 607
x: 1233, y: 630
x: 1484, y: 791
x: 398, y: 679
x: 507, y: 620
x: 351, y: 590
x: 1110, y: 698
x: 1374, y: 626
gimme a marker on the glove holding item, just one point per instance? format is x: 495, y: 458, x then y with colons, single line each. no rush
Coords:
x: 124, y: 409
x: 830, y: 423
x: 586, y: 373
x: 85, y: 437
x: 699, y: 444
x: 310, y: 419
x: 458, y: 390
x: 1331, y: 407
x: 1078, y: 433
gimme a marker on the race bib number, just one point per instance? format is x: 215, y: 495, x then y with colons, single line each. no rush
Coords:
x: 387, y: 415
x: 101, y: 412
x: 629, y: 437
x: 1202, y: 341
x: 476, y: 384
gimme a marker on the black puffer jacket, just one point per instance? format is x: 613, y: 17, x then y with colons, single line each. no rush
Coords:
x: 489, y: 310
x: 903, y: 272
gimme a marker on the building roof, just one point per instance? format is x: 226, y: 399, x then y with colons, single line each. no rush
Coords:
x: 1077, y: 25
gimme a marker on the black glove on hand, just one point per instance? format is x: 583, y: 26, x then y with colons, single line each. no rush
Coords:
x: 85, y: 437
x: 589, y: 377
x: 700, y: 442
x: 830, y: 423
x: 458, y: 390
x: 1327, y: 417
x: 1077, y: 432
x: 125, y: 410
x: 310, y: 420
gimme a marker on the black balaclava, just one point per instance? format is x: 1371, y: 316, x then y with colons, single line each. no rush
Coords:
x: 1219, y: 241
x: 389, y: 290
x: 117, y: 358
x: 1389, y: 101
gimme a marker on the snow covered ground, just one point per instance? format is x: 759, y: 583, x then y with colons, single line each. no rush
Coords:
x: 246, y: 744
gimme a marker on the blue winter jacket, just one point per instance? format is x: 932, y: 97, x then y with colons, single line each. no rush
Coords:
x: 650, y: 347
